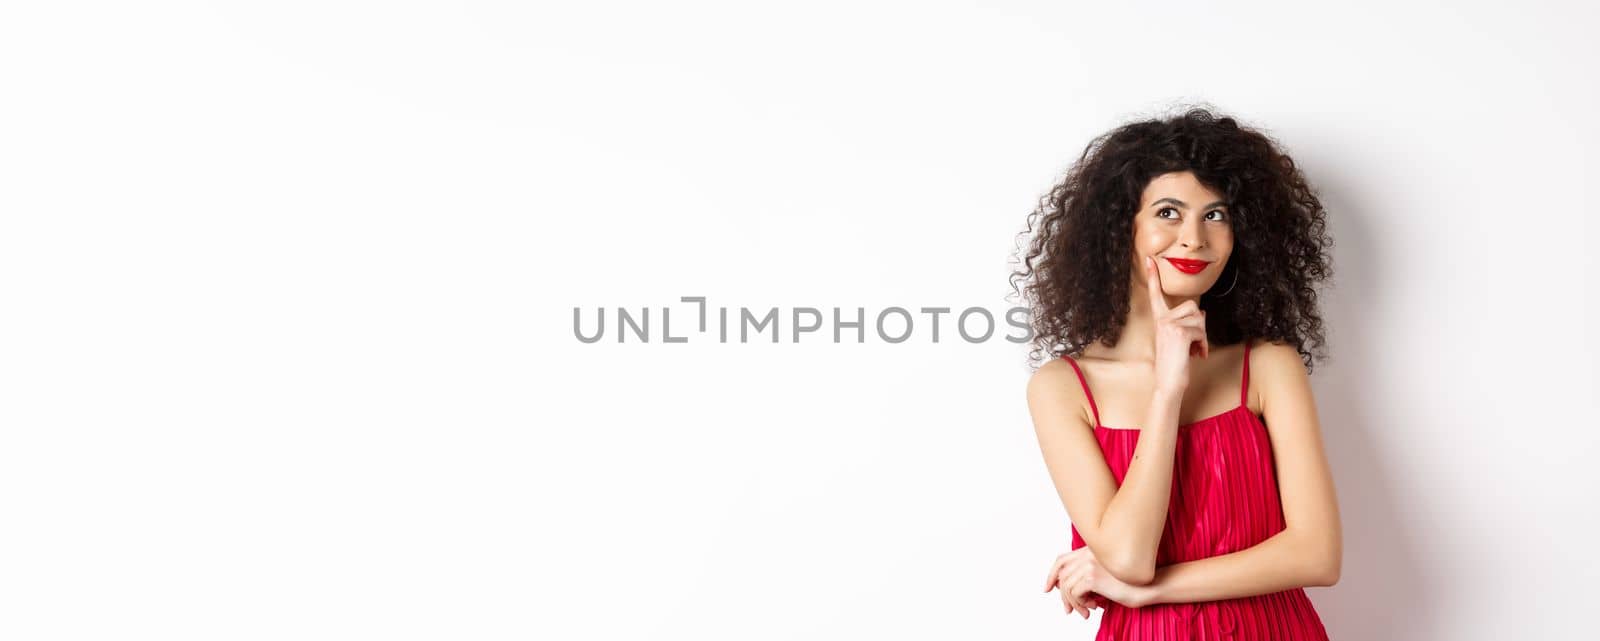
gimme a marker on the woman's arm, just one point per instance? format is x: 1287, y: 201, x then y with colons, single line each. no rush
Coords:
x: 1282, y: 562
x: 1308, y: 552
x: 1122, y: 525
x: 1138, y: 513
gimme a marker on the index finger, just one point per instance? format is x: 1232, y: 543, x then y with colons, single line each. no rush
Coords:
x: 1152, y: 280
x: 1054, y: 579
x: 1054, y: 568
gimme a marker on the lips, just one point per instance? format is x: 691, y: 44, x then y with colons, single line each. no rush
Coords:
x: 1188, y: 266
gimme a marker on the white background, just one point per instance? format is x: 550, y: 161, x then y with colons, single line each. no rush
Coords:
x: 288, y: 290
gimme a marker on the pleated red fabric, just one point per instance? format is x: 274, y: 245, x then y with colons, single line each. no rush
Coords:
x: 1224, y: 499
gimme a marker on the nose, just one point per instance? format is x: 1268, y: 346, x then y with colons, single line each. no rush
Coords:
x: 1192, y: 235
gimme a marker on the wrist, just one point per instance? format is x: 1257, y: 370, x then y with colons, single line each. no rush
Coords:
x: 1164, y: 405
x: 1170, y: 392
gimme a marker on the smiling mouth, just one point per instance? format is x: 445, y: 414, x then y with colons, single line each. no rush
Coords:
x: 1188, y: 266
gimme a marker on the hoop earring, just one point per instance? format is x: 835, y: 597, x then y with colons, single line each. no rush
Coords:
x: 1230, y: 286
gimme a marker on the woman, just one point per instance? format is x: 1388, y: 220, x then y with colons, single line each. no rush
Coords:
x: 1184, y: 446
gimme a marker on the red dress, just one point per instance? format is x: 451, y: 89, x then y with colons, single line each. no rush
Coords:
x: 1224, y: 499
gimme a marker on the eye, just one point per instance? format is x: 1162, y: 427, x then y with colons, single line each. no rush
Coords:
x: 1221, y: 215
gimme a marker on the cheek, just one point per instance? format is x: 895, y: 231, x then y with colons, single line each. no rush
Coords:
x: 1147, y: 243
x: 1151, y: 240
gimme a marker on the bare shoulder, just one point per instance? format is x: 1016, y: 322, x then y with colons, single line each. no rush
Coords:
x: 1276, y: 371
x: 1053, y: 389
x: 1050, y: 380
x: 1275, y: 358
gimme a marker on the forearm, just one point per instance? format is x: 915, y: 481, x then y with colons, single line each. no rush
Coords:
x: 1282, y: 562
x: 1137, y: 514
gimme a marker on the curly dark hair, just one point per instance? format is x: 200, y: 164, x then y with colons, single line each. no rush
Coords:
x: 1077, y: 267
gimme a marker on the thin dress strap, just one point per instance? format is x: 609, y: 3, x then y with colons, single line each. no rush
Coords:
x: 1085, y: 385
x: 1244, y: 385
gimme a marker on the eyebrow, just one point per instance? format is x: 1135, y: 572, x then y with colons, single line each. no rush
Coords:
x: 1180, y: 203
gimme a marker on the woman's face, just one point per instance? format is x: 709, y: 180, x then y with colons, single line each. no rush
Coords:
x: 1178, y: 219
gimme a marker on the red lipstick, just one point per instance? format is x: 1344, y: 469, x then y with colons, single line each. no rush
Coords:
x: 1188, y: 266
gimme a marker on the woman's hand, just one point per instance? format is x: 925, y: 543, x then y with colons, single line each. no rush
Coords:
x: 1084, y: 583
x: 1180, y: 333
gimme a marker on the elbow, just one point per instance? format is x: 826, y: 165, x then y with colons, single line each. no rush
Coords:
x: 1327, y: 572
x: 1321, y: 560
x: 1133, y: 571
